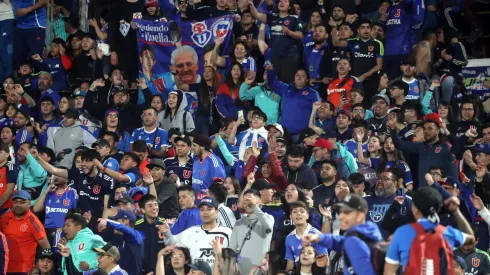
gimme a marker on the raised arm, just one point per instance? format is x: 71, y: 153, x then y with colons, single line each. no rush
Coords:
x: 256, y: 14
x: 261, y: 39
x: 46, y: 166
x: 216, y: 59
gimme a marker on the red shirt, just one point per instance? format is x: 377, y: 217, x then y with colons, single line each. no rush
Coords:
x: 22, y: 235
x: 335, y: 90
x: 7, y: 176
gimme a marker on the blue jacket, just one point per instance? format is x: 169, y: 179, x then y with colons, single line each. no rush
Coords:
x: 186, y: 219
x: 358, y: 251
x: 296, y: 104
x: 132, y: 249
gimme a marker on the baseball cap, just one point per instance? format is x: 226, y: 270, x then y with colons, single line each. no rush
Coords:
x: 110, y: 250
x: 329, y: 133
x: 202, y: 140
x: 323, y: 143
x: 428, y: 201
x: 277, y: 126
x: 306, y: 133
x: 435, y: 117
x: 124, y: 214
x: 151, y: 3
x: 21, y: 194
x: 408, y: 60
x: 184, y: 139
x: 460, y: 261
x: 111, y: 111
x: 125, y: 199
x: 282, y: 140
x: 71, y: 113
x: 261, y: 184
x: 383, y: 97
x: 201, y: 266
x: 218, y: 180
x: 137, y: 192
x: 209, y: 202
x: 156, y: 163
x: 453, y: 184
x: 46, y: 253
x: 101, y: 142
x: 353, y: 202
x: 79, y: 93
x: 484, y: 148
x: 400, y: 84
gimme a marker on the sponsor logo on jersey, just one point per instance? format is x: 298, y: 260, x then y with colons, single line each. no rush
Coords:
x: 438, y: 149
x: 368, y: 55
x: 56, y: 209
x: 23, y: 227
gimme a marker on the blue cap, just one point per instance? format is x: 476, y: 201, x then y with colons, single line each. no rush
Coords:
x: 79, y: 93
x: 124, y: 214
x: 135, y: 190
x: 460, y: 261
x: 484, y: 148
x: 209, y: 202
x: 22, y: 194
x: 111, y: 110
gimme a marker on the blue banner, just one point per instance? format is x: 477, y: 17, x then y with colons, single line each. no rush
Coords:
x: 168, y: 50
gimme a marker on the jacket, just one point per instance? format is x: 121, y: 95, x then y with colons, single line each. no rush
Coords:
x: 81, y: 248
x: 182, y: 119
x: 32, y: 175
x: 298, y: 103
x: 346, y: 163
x: 69, y: 137
x: 358, y: 251
x: 267, y: 100
x: 228, y: 105
x: 58, y: 67
x: 132, y: 249
x: 188, y: 218
x: 303, y: 174
x: 438, y: 154
x: 153, y: 242
x: 277, y: 175
x: 167, y: 199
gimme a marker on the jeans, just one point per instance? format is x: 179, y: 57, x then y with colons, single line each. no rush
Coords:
x: 6, y: 40
x: 447, y: 87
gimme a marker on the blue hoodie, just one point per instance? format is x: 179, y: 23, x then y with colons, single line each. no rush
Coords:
x: 358, y: 251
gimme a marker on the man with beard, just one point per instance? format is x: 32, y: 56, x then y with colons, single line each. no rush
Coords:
x: 155, y: 137
x: 381, y: 104
x: 385, y: 193
x: 432, y: 152
x: 296, y: 170
x: 326, y: 190
x: 206, y: 166
x: 44, y: 84
x: 378, y: 31
x: 313, y: 55
x: 24, y: 232
x: 338, y: 15
x: 417, y: 87
x: 94, y: 188
x: 83, y: 64
x: 21, y: 120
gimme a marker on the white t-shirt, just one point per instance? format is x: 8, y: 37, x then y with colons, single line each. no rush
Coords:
x: 6, y: 10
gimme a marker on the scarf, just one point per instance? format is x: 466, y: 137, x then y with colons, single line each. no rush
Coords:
x: 250, y: 136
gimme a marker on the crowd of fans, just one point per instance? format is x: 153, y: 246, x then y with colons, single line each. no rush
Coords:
x: 332, y: 137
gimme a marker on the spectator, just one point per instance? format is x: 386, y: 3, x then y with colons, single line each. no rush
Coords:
x: 108, y: 257
x: 189, y: 215
x: 32, y: 176
x: 228, y: 102
x: 156, y: 138
x: 252, y: 234
x: 175, y: 114
x: 226, y: 217
x: 296, y: 170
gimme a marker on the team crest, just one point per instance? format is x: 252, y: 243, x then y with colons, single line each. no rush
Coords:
x: 96, y: 189
x: 157, y: 140
x: 200, y: 34
x: 159, y: 84
x: 187, y: 174
x: 137, y: 15
x: 81, y: 246
x: 475, y: 262
x: 438, y: 149
x: 221, y: 27
x: 416, y: 89
x: 203, y: 172
x: 23, y: 227
x: 370, y: 48
x: 66, y: 202
x: 220, y: 239
x: 286, y: 22
x: 305, y: 93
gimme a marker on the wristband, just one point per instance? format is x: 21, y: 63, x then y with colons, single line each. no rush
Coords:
x: 104, y: 169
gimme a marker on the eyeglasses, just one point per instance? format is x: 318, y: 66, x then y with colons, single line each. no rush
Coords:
x: 385, y: 179
x: 257, y: 118
x: 357, y: 111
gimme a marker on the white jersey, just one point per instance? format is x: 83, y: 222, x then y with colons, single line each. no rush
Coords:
x: 198, y: 241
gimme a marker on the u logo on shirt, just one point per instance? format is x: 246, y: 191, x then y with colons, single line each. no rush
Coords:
x: 96, y: 189
x: 81, y: 246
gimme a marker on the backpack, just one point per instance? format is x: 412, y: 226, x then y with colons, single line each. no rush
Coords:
x: 378, y: 253
x: 430, y: 253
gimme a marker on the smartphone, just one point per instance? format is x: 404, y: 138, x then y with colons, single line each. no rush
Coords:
x: 344, y: 94
x: 240, y: 114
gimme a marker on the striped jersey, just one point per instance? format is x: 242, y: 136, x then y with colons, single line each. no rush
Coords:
x: 294, y: 244
x: 226, y: 217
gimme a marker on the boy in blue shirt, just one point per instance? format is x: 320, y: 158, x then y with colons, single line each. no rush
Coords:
x: 104, y: 149
x: 353, y: 211
x: 300, y: 215
x: 426, y: 202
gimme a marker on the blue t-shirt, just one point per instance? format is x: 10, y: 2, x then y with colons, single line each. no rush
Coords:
x: 56, y: 206
x: 155, y: 139
x: 312, y: 58
x: 294, y: 244
x: 34, y: 19
x: 352, y: 147
x: 204, y: 172
x: 399, y: 250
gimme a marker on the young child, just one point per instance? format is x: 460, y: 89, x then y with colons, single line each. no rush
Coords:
x: 57, y: 64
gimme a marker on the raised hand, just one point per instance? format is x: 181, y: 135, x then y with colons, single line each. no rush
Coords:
x: 477, y: 202
x: 255, y: 149
x: 325, y: 212
x: 452, y: 204
x: 148, y: 179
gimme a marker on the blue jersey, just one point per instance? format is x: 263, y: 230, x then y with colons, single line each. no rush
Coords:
x: 184, y: 172
x: 248, y: 63
x: 204, y: 172
x: 112, y: 164
x: 248, y: 137
x: 379, y: 205
x: 399, y: 251
x: 56, y: 206
x: 352, y: 147
x: 294, y: 244
x: 282, y: 44
x: 34, y: 19
x: 413, y: 90
x: 188, y: 218
x: 312, y: 58
x: 134, y: 175
x: 155, y: 139
x: 53, y: 95
x: 22, y: 136
x: 158, y: 84
x: 308, y: 39
x: 116, y: 271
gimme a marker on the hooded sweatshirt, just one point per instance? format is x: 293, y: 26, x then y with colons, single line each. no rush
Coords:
x: 81, y: 248
x: 358, y: 251
x: 70, y: 137
x: 167, y: 122
x: 303, y: 174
